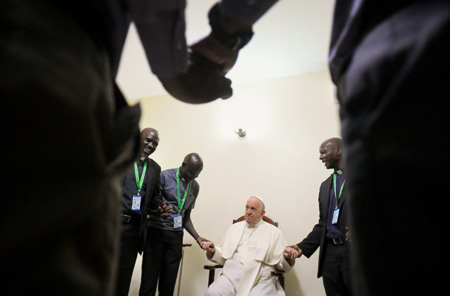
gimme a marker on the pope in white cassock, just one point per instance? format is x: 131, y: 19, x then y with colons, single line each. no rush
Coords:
x: 250, y: 251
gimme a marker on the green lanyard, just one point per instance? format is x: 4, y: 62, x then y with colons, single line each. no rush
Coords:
x: 139, y: 181
x: 335, y: 192
x: 181, y: 202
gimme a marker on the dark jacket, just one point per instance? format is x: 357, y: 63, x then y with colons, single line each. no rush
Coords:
x: 316, y: 238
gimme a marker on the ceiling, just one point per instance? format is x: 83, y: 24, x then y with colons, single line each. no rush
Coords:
x: 291, y: 39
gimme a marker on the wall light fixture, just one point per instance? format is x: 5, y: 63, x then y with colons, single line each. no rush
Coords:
x: 241, y: 132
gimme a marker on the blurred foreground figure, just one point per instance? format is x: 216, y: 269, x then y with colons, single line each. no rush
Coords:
x: 387, y: 59
x: 68, y: 134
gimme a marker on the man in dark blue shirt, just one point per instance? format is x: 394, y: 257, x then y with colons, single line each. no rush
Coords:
x: 162, y: 253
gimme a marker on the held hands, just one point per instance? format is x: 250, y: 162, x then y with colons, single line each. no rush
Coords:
x: 210, y: 48
x: 228, y: 35
x: 292, y: 252
x: 203, y: 82
x: 201, y: 240
x: 210, y: 59
x: 164, y: 209
x: 209, y: 247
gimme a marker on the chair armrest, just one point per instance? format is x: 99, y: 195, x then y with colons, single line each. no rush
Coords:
x: 212, y: 272
x: 210, y: 267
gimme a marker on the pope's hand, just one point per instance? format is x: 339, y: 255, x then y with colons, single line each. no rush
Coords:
x: 292, y: 252
x: 208, y: 245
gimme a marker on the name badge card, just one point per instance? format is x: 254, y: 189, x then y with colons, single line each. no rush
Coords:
x: 335, y: 216
x: 136, y: 205
x: 177, y: 221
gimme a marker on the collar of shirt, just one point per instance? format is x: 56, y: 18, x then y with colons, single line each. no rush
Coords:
x: 256, y: 225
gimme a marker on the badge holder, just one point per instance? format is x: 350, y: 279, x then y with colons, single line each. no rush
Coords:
x: 136, y: 205
x: 335, y: 216
x: 177, y: 221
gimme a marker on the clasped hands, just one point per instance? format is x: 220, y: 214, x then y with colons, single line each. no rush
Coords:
x: 205, y: 80
x: 291, y: 253
x: 209, y: 247
x: 164, y: 209
x: 210, y: 59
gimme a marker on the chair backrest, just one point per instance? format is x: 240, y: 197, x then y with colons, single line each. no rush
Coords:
x: 265, y: 218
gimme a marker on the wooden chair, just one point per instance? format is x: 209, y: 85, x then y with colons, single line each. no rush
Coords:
x: 212, y: 268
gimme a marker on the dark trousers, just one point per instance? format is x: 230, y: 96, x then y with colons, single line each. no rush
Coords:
x: 162, y: 255
x: 336, y: 270
x: 395, y: 108
x: 60, y: 214
x: 130, y: 244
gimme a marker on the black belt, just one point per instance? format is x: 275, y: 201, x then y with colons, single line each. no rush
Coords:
x: 128, y: 218
x: 336, y: 241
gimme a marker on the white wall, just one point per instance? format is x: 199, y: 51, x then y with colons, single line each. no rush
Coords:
x: 286, y: 121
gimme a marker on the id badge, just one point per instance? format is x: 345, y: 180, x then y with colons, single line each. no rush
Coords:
x: 136, y: 205
x: 335, y: 216
x: 177, y: 221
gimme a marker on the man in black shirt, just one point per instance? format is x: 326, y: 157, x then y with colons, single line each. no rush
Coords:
x: 140, y: 196
x: 329, y: 233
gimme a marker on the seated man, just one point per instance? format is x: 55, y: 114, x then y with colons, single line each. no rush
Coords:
x: 250, y: 251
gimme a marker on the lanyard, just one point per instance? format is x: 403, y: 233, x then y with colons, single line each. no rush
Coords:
x: 181, y: 202
x: 340, y: 191
x: 139, y: 181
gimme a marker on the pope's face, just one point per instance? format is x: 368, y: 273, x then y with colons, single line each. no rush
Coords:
x: 253, y: 211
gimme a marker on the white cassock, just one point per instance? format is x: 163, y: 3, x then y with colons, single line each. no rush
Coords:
x: 249, y: 255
